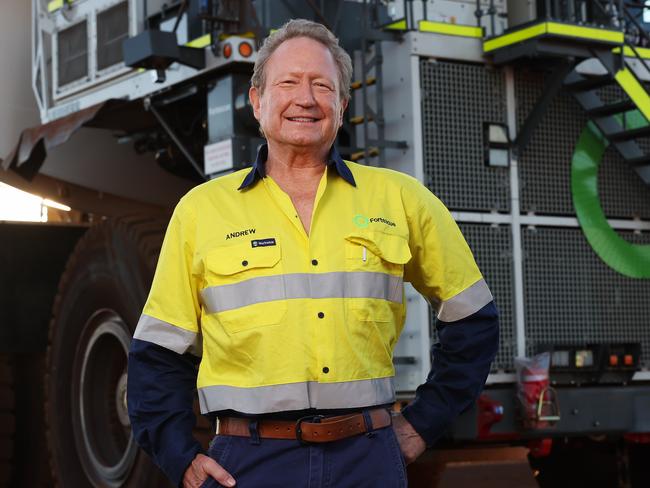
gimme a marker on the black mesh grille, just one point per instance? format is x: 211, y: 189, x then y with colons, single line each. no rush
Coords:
x: 112, y: 29
x: 72, y: 59
x: 572, y: 297
x: 456, y: 100
x: 545, y: 164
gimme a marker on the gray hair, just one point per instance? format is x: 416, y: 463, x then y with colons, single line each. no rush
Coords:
x: 312, y: 30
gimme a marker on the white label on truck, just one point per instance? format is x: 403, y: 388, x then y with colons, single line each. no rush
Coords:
x: 218, y: 157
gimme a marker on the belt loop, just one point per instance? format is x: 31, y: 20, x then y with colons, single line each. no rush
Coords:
x: 254, y: 431
x: 368, y: 421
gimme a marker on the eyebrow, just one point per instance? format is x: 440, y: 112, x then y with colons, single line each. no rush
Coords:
x: 298, y: 74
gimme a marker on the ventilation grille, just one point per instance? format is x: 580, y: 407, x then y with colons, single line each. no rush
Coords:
x: 572, y: 297
x: 456, y: 100
x: 112, y: 29
x: 72, y: 53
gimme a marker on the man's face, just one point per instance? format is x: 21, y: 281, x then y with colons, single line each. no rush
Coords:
x: 300, y: 104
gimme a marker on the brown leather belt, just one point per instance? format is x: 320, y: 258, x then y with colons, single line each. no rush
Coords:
x: 307, y: 429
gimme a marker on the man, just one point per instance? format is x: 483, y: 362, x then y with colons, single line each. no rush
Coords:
x: 289, y: 278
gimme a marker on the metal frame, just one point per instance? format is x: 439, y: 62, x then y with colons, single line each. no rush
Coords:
x: 406, y: 56
x: 136, y: 84
x: 515, y: 227
x: 113, y: 82
x: 88, y: 11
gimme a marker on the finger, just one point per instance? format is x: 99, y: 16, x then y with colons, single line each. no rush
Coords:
x: 195, y: 475
x: 215, y: 470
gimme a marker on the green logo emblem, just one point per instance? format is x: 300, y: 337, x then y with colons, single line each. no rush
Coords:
x: 361, y: 221
x: 629, y: 259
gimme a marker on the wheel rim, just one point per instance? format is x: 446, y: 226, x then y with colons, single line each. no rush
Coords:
x: 107, y: 441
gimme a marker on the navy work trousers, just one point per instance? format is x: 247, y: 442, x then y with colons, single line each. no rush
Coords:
x: 364, y: 461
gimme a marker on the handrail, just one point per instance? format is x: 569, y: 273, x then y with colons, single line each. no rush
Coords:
x: 641, y: 31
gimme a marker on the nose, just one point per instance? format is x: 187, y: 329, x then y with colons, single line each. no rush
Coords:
x: 305, y: 95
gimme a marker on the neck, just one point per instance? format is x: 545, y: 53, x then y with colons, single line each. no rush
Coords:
x: 301, y: 162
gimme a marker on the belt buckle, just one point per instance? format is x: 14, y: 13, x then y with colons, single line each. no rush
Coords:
x: 309, y: 418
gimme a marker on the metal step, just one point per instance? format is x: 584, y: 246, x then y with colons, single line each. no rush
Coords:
x: 355, y: 85
x: 628, y: 135
x: 577, y: 82
x: 358, y: 119
x: 612, y: 109
x: 641, y: 167
x: 639, y: 162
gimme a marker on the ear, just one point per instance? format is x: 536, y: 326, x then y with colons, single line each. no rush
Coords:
x: 254, y: 97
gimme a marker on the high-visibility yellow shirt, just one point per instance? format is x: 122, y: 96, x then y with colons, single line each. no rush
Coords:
x: 285, y: 320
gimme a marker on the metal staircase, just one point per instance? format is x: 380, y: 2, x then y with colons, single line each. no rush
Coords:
x: 624, y: 121
x: 608, y: 32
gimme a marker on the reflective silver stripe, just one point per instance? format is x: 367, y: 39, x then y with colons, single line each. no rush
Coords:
x: 303, y: 285
x: 297, y: 396
x: 167, y: 335
x: 467, y: 302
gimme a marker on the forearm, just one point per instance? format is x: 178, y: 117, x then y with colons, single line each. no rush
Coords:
x: 461, y: 362
x: 160, y: 394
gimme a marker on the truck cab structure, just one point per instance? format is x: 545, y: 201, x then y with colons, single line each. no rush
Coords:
x: 529, y: 119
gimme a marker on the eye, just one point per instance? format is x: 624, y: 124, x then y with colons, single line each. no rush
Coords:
x: 321, y: 84
x: 287, y: 82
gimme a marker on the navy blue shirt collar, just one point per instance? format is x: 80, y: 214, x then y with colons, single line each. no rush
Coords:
x: 258, y: 170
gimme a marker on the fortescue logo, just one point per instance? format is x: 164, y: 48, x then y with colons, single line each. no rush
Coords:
x: 362, y: 221
x: 240, y: 233
x: 383, y: 221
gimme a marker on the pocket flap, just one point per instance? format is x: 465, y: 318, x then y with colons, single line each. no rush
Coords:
x: 230, y: 260
x: 389, y: 247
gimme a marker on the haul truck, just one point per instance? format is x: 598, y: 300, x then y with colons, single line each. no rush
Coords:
x: 528, y: 118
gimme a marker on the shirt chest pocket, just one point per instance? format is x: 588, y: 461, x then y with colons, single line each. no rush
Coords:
x: 375, y: 268
x: 245, y: 286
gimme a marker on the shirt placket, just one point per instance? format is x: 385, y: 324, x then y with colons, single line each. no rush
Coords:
x: 317, y: 313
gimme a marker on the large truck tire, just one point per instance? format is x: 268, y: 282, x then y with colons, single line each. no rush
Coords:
x: 7, y: 420
x: 100, y: 298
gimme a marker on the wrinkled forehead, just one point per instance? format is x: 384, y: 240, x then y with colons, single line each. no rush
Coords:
x: 301, y: 56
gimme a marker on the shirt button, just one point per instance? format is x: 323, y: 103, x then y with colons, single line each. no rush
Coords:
x: 326, y: 370
x: 314, y: 262
x: 321, y: 315
x: 244, y: 263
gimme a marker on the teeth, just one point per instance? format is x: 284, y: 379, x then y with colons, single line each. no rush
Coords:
x: 301, y: 119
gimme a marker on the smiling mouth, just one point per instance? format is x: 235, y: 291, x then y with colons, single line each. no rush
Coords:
x: 303, y: 119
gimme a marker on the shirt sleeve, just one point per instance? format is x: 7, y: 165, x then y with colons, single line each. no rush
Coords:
x: 160, y: 392
x: 444, y: 271
x: 164, y: 355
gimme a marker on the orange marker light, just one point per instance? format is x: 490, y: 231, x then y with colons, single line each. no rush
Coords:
x: 613, y: 360
x: 628, y: 360
x: 245, y: 49
x: 227, y: 50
